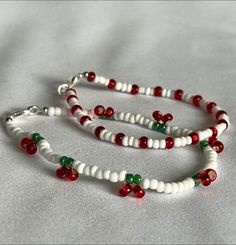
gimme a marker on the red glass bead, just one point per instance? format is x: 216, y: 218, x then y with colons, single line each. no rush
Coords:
x: 197, y: 99
x: 111, y: 84
x: 125, y: 190
x: 169, y: 142
x: 223, y: 121
x: 204, y: 178
x: 167, y: 118
x: 211, y: 174
x: 109, y: 112
x: 210, y: 106
x: 98, y: 130
x: 178, y: 94
x: 157, y: 115
x: 99, y: 110
x: 138, y: 191
x: 219, y: 113
x: 119, y: 138
x: 72, y: 174
x: 74, y: 108
x: 134, y: 89
x: 71, y: 96
x: 214, y: 131
x: 91, y: 76
x: 195, y: 138
x: 31, y: 148
x: 62, y: 172
x: 218, y: 146
x: 157, y: 91
x: 143, y: 142
x: 24, y: 142
x: 83, y: 119
x: 212, y: 140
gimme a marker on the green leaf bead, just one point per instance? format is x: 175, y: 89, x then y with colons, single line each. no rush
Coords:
x: 155, y: 126
x: 36, y: 137
x: 137, y: 179
x: 69, y: 162
x: 63, y: 160
x: 204, y: 144
x: 160, y: 127
x: 129, y: 178
x: 195, y: 177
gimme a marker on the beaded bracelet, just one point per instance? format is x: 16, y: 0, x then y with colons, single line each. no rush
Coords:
x: 159, y: 123
x: 70, y: 168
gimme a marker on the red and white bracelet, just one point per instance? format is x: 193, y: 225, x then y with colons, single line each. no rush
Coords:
x: 183, y: 137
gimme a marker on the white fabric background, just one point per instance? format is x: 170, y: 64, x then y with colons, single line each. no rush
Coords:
x: 189, y: 45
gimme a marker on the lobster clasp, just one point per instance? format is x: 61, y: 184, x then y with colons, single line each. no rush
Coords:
x: 35, y: 110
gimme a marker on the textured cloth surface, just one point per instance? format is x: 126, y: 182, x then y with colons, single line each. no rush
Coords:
x: 189, y: 45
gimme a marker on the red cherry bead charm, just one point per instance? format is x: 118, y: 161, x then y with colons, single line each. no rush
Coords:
x: 211, y: 174
x: 111, y: 84
x: 31, y: 148
x: 99, y: 110
x: 134, y: 89
x: 98, y: 130
x: 197, y: 99
x: 125, y: 190
x: 74, y: 108
x: 143, y: 141
x: 210, y: 106
x: 138, y: 191
x: 91, y: 76
x: 109, y: 112
x: 167, y: 118
x: 83, y: 119
x: 157, y: 115
x: 72, y: 174
x: 62, y: 172
x: 178, y: 94
x: 195, y: 138
x: 212, y: 140
x: 24, y: 142
x: 157, y: 91
x: 119, y: 138
x: 204, y: 179
x: 169, y: 142
x: 218, y: 146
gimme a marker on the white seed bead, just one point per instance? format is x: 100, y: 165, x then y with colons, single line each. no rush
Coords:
x: 156, y: 144
x: 150, y: 143
x: 153, y: 184
x: 106, y: 174
x: 131, y: 140
x: 174, y: 188
x: 162, y: 144
x: 168, y: 188
x: 177, y: 142
x: 180, y: 187
x: 80, y: 168
x: 87, y: 170
x: 146, y: 183
x: 51, y: 111
x: 161, y: 186
x: 93, y: 170
x: 125, y: 140
x: 114, y: 177
x: 122, y: 175
x: 99, y: 174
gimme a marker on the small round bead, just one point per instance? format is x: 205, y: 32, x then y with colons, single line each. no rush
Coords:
x: 210, y: 106
x: 214, y: 131
x: 197, y: 99
x: 24, y: 142
x: 125, y: 190
x: 72, y: 174
x: 137, y: 179
x: 91, y: 76
x: 129, y: 178
x: 143, y: 142
x: 118, y: 138
x: 83, y: 119
x: 219, y: 113
x: 178, y: 94
x: 36, y: 137
x: 167, y: 118
x: 169, y: 142
x: 195, y: 138
x: 223, y: 121
x: 111, y: 84
x: 109, y: 112
x: 204, y: 179
x: 74, y: 108
x: 157, y: 115
x: 99, y: 110
x: 31, y: 148
x: 71, y: 96
x: 218, y: 146
x: 135, y: 89
x: 211, y: 174
x: 138, y: 191
x: 62, y: 172
x: 98, y: 130
x: 157, y: 91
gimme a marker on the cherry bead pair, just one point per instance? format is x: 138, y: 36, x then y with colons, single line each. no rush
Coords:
x: 100, y: 111
x: 218, y: 146
x: 29, y: 145
x: 207, y: 177
x: 67, y: 173
x: 159, y: 117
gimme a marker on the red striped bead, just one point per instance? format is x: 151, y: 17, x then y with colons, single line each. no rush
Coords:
x: 71, y: 96
x: 219, y: 113
x: 143, y: 142
x: 91, y: 76
x: 134, y: 89
x: 197, y: 99
x: 214, y: 131
x: 157, y: 91
x: 74, y: 108
x: 83, y: 119
x: 195, y: 138
x: 111, y: 84
x: 169, y: 142
x: 118, y: 138
x: 210, y: 106
x: 178, y: 94
x: 98, y: 131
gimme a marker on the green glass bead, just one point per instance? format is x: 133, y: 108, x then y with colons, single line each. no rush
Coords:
x: 69, y: 162
x: 63, y: 160
x: 160, y: 127
x: 204, y: 144
x: 195, y: 177
x: 137, y: 179
x: 155, y: 126
x: 36, y: 137
x: 129, y: 178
